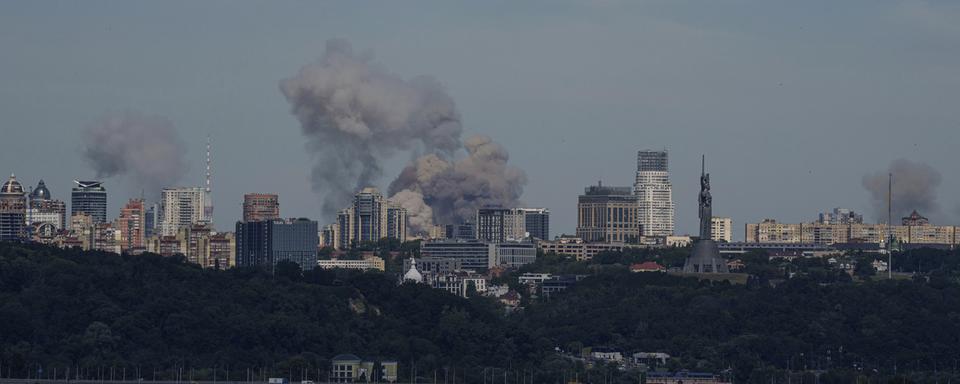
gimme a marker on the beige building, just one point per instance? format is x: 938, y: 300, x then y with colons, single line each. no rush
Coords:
x: 721, y: 229
x: 770, y: 231
x: 608, y: 215
x: 576, y: 247
x: 371, y: 262
x: 199, y: 244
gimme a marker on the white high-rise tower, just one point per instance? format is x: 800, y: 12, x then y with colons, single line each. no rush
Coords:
x: 654, y: 194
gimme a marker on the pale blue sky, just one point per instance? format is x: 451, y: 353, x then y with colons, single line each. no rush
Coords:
x: 792, y: 101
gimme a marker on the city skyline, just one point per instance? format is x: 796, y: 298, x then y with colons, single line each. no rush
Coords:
x: 782, y: 115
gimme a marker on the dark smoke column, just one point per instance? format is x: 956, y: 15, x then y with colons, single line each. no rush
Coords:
x: 914, y: 188
x: 355, y: 115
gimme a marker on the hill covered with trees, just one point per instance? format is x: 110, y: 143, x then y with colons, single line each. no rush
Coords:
x: 90, y: 311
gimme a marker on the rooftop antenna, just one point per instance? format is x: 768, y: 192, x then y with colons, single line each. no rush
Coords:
x: 208, y: 201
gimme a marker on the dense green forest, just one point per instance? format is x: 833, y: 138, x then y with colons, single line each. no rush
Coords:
x: 89, y: 312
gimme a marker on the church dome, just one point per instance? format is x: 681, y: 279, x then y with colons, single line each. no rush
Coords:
x: 413, y: 274
x: 41, y: 192
x: 12, y: 186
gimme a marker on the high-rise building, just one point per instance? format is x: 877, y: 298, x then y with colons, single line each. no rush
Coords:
x: 13, y: 211
x: 89, y: 197
x: 181, y: 207
x: 369, y: 219
x: 654, y: 194
x: 396, y: 222
x: 42, y: 208
x: 152, y: 221
x: 266, y: 243
x: 721, y: 229
x: 260, y: 206
x: 131, y: 225
x: 608, y: 214
x: 496, y: 224
x: 536, y: 222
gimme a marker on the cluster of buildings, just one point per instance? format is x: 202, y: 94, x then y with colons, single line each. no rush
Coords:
x: 843, y: 226
x: 178, y: 224
x: 609, y: 218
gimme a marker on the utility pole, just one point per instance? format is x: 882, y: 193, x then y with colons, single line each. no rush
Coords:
x: 890, y: 226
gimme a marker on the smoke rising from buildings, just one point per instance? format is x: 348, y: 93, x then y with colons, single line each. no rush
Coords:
x: 355, y: 114
x: 914, y: 188
x: 456, y: 188
x: 146, y: 150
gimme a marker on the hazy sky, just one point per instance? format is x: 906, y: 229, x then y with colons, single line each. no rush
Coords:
x: 792, y: 102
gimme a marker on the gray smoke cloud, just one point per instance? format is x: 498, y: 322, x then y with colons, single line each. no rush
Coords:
x: 454, y: 189
x: 144, y: 149
x: 914, y: 188
x: 355, y: 114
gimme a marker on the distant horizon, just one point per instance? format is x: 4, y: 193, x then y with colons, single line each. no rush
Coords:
x: 797, y: 107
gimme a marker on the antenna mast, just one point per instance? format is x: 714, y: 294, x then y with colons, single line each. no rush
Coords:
x: 208, y: 201
x: 890, y: 226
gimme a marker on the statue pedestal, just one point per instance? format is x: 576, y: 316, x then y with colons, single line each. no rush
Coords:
x: 705, y: 258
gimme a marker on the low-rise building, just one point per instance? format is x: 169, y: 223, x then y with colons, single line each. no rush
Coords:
x: 558, y: 283
x: 647, y: 266
x: 581, y: 250
x: 370, y: 262
x: 478, y: 255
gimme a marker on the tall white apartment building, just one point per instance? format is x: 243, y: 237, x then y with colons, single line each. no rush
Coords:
x: 654, y: 194
x: 180, y: 208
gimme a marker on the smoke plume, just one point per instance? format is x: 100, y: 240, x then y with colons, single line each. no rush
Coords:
x: 355, y: 115
x: 914, y: 188
x: 455, y: 189
x: 145, y: 149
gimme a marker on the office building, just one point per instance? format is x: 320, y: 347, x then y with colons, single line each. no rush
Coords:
x: 514, y: 254
x: 497, y: 224
x: 369, y: 219
x: 151, y: 218
x: 721, y: 229
x: 260, y: 206
x: 480, y: 255
x: 608, y: 214
x: 89, y: 197
x: 181, y: 208
x: 654, y: 194
x: 266, y: 243
x: 131, y: 225
x: 536, y: 223
x: 13, y: 211
x: 474, y: 255
x: 464, y: 231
